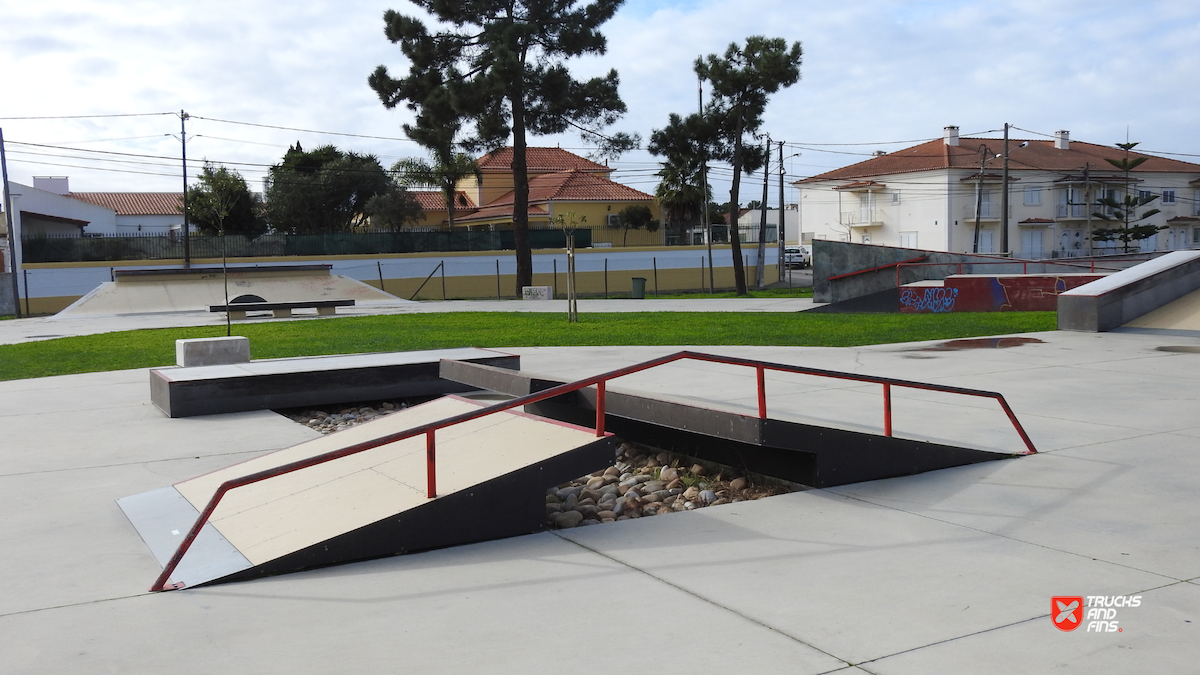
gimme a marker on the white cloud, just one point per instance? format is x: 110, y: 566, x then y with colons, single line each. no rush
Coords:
x: 874, y: 71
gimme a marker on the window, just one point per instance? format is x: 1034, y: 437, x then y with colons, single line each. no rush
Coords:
x: 1031, y: 241
x: 986, y: 242
x: 1144, y: 195
x: 896, y: 197
x: 1033, y: 196
x: 1196, y: 235
x: 908, y: 240
x: 1168, y: 197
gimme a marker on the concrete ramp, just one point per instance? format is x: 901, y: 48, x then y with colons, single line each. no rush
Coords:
x: 1182, y: 316
x: 492, y: 473
x: 146, y: 291
x: 1124, y: 297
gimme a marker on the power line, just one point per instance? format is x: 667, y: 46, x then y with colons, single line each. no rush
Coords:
x: 86, y: 117
x: 307, y: 131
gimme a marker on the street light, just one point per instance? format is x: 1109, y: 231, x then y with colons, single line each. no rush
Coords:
x: 985, y: 154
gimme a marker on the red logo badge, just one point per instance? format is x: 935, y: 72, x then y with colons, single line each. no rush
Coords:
x: 1066, y: 611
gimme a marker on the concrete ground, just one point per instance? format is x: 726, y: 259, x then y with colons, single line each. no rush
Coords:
x: 947, y: 572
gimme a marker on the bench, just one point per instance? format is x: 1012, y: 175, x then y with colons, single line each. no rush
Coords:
x: 237, y: 310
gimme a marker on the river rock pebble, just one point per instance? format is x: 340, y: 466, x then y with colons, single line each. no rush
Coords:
x: 645, y: 482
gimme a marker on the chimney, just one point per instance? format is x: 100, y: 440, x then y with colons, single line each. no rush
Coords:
x: 56, y: 184
x: 951, y: 135
x: 1062, y: 140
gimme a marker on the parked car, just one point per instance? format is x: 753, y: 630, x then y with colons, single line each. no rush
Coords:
x: 795, y: 257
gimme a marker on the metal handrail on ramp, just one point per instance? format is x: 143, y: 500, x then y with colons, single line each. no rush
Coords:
x: 600, y: 381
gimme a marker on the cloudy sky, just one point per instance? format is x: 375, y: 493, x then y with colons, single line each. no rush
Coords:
x: 877, y: 75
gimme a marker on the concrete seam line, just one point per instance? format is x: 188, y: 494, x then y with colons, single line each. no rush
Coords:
x: 704, y: 599
x: 73, y: 604
x: 139, y: 462
x: 1008, y: 537
x: 1007, y: 625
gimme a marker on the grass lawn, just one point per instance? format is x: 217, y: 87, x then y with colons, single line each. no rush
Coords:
x: 349, y: 335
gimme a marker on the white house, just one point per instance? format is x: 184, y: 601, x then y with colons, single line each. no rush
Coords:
x: 926, y: 197
x: 751, y: 219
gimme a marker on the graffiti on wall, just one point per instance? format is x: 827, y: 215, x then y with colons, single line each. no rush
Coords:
x: 928, y: 299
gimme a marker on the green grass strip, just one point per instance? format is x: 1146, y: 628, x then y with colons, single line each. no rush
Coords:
x: 404, y: 332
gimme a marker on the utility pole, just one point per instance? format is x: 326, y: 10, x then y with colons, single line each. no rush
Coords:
x: 12, y: 237
x: 187, y: 248
x: 704, y: 190
x: 760, y: 274
x: 1004, y: 195
x: 782, y: 218
x: 1087, y: 202
x: 983, y: 157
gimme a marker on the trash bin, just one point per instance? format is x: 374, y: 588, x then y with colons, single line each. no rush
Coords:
x: 639, y: 288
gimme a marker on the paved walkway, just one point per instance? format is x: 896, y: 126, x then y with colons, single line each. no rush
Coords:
x: 43, y: 328
x: 946, y: 572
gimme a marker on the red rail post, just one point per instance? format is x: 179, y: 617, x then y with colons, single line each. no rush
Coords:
x: 600, y: 409
x: 762, y: 393
x: 887, y: 409
x: 430, y: 465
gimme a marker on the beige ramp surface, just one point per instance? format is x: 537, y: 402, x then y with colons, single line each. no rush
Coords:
x: 1181, y: 314
x: 280, y: 515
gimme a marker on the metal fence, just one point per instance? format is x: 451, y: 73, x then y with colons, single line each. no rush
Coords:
x: 49, y: 248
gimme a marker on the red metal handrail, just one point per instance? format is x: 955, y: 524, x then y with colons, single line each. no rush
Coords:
x: 876, y: 268
x: 600, y: 381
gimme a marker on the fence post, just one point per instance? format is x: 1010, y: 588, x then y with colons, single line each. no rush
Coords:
x: 25, y: 274
x: 762, y: 393
x: 555, y: 262
x: 379, y: 267
x: 600, y: 408
x: 702, y: 276
x: 606, y: 278
x: 442, y: 265
x: 887, y: 409
x: 430, y: 465
x: 497, y: 278
x: 655, y: 260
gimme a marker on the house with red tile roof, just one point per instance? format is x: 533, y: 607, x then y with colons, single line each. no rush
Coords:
x: 926, y: 196
x: 153, y: 212
x: 561, y: 184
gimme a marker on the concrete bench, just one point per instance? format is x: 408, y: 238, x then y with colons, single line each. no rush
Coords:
x: 237, y: 310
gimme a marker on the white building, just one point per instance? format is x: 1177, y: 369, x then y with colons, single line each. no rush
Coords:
x: 750, y: 221
x: 925, y: 197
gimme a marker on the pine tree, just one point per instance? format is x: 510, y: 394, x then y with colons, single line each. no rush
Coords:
x: 742, y: 81
x: 1125, y: 210
x: 497, y: 66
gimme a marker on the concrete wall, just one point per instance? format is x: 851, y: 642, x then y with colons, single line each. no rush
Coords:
x: 833, y: 258
x: 1122, y: 297
x: 54, y: 286
x: 6, y: 296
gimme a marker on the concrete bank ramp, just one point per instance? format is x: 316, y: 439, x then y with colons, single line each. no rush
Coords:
x: 492, y: 473
x: 194, y: 290
x: 1132, y: 293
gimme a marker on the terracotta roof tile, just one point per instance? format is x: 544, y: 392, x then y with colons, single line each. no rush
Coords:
x: 576, y: 186
x: 135, y: 203
x: 539, y: 160
x: 432, y: 200
x: 1039, y: 154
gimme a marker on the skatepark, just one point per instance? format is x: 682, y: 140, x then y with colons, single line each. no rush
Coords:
x: 950, y: 570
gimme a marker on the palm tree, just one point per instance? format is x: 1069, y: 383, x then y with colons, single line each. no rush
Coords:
x: 680, y: 196
x: 443, y: 173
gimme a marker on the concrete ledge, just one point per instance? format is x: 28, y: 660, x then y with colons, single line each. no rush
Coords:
x: 307, y: 381
x: 1124, y: 296
x: 217, y: 351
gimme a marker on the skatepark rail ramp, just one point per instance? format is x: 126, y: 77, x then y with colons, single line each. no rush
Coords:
x: 600, y: 381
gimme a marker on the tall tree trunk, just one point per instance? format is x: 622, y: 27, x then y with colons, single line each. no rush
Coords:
x: 520, y: 196
x: 449, y: 197
x: 735, y: 244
